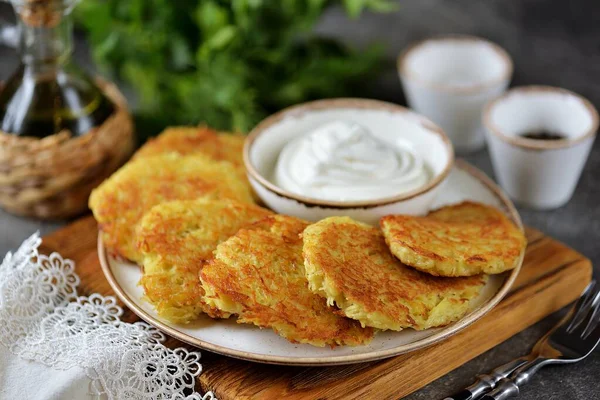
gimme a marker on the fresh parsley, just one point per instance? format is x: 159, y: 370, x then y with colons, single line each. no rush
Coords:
x: 227, y: 63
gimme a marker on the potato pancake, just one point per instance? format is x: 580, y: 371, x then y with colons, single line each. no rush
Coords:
x: 259, y: 275
x: 349, y: 264
x: 186, y: 140
x: 176, y: 239
x: 120, y: 202
x: 460, y: 240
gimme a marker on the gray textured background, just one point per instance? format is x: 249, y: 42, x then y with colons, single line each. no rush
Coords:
x: 553, y: 42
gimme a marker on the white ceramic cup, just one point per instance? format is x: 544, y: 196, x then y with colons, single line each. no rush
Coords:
x: 539, y: 173
x: 449, y: 79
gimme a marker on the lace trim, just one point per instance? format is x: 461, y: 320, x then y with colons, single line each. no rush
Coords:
x: 44, y: 320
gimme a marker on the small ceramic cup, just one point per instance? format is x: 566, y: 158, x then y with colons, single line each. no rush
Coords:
x: 540, y: 173
x: 388, y: 122
x: 449, y: 79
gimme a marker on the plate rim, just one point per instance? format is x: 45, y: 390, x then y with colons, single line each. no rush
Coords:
x: 437, y: 337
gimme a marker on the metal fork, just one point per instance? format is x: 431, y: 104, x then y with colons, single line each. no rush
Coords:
x: 570, y: 341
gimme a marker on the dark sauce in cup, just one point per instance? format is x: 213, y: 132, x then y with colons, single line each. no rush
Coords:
x: 543, y: 135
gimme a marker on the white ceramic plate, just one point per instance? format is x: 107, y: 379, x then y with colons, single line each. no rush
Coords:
x: 263, y: 345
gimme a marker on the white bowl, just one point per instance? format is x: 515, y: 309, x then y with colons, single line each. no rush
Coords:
x: 537, y: 173
x: 449, y: 79
x: 386, y: 121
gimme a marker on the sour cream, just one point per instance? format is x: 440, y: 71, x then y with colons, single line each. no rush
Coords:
x: 343, y: 161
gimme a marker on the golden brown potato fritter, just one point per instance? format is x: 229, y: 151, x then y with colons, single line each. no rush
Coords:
x: 120, y: 202
x: 259, y: 275
x: 349, y: 264
x: 459, y: 240
x: 176, y: 239
x: 200, y: 140
x: 186, y: 140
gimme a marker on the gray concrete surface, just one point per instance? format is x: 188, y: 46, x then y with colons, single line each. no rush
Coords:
x: 553, y: 42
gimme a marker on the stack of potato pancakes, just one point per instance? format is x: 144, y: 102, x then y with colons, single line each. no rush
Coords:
x: 183, y: 210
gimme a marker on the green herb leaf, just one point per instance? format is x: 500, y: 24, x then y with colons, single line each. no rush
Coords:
x: 226, y: 63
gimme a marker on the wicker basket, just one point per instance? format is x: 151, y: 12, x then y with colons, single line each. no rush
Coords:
x: 51, y: 178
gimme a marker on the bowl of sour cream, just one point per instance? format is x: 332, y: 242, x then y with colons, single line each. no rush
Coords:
x: 355, y: 157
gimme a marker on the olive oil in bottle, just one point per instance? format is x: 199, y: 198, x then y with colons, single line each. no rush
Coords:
x: 48, y: 93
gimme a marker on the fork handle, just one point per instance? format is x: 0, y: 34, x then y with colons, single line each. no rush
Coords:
x: 509, y: 387
x: 486, y: 382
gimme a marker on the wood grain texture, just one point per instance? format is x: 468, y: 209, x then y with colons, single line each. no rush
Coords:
x: 553, y: 275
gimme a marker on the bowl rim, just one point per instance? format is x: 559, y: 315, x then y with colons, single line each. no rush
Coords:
x: 535, y: 144
x: 341, y: 103
x: 406, y: 74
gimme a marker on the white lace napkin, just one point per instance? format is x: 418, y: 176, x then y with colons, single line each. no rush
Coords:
x: 55, y: 344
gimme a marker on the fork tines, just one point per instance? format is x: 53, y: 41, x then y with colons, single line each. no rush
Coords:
x: 586, y: 310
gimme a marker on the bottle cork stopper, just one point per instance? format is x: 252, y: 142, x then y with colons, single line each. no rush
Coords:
x: 41, y: 13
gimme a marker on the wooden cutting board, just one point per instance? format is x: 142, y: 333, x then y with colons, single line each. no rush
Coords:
x: 553, y: 275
